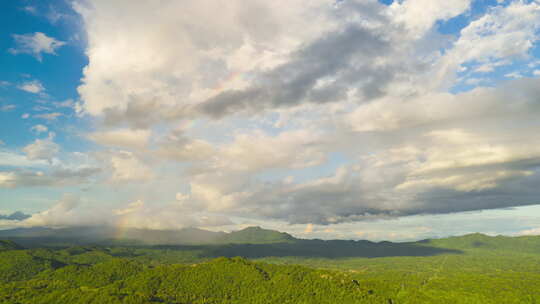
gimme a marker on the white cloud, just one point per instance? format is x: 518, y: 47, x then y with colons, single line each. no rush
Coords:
x: 258, y: 151
x: 241, y: 59
x: 393, y: 113
x: 25, y: 116
x: 12, y: 159
x: 7, y: 108
x: 513, y: 75
x: 75, y: 211
x: 33, y: 86
x: 66, y: 212
x: 310, y: 113
x: 125, y: 138
x: 127, y: 167
x: 419, y: 16
x: 35, y: 44
x: 534, y: 231
x: 53, y: 15
x: 504, y: 32
x: 42, y: 149
x: 30, y: 9
x: 39, y: 129
x: 69, y: 103
x: 49, y: 116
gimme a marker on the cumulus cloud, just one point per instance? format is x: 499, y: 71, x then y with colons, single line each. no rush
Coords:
x: 35, y: 44
x: 258, y: 151
x: 420, y: 15
x: 75, y: 211
x: 66, y: 212
x: 179, y: 147
x: 42, y: 149
x: 431, y: 156
x: 11, y: 159
x: 33, y: 86
x: 312, y: 113
x: 127, y: 167
x: 504, y: 32
x: 126, y: 138
x: 253, y: 62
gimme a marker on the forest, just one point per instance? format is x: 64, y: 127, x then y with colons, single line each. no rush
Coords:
x: 473, y: 268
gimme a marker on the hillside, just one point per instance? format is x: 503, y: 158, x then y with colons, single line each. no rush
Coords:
x: 219, y: 281
x: 354, y: 272
x: 9, y: 245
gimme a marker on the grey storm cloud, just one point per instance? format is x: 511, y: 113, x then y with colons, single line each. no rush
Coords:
x: 352, y: 60
x: 349, y: 201
x: 297, y: 81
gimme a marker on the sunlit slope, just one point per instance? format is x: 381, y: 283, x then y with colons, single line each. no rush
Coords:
x: 481, y: 242
x: 219, y: 281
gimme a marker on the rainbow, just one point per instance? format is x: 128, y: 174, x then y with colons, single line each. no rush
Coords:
x: 122, y: 227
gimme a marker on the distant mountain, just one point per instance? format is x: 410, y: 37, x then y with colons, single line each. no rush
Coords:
x: 36, y: 236
x: 170, y: 237
x: 478, y: 242
x: 279, y: 243
x: 256, y: 235
x: 15, y: 216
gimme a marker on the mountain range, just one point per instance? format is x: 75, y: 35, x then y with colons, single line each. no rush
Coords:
x: 107, y: 234
x: 256, y: 242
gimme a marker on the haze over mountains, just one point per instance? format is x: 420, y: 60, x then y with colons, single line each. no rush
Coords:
x: 95, y: 234
x: 256, y: 242
x: 15, y: 216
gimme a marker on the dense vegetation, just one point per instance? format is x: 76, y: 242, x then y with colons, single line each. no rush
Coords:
x: 469, y: 269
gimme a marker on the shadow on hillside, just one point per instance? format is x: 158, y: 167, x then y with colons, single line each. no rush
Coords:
x: 317, y: 249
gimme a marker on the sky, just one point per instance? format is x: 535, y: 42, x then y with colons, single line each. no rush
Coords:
x: 356, y: 119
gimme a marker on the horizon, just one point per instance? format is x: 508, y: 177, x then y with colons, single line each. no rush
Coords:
x: 333, y: 119
x: 296, y: 235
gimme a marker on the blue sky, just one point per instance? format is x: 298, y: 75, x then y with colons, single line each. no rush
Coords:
x: 383, y: 116
x: 59, y: 74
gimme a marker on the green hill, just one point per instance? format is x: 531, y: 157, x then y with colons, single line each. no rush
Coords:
x: 219, y: 281
x: 9, y: 245
x: 472, y: 268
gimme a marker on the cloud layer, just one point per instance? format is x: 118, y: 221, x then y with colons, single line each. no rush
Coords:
x: 305, y: 113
